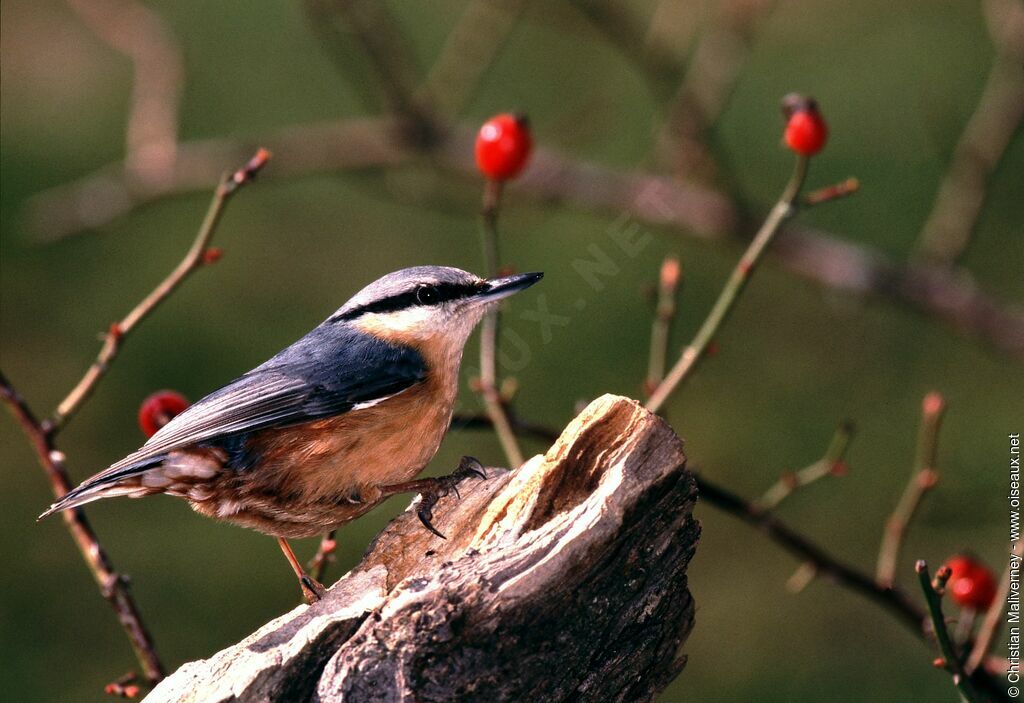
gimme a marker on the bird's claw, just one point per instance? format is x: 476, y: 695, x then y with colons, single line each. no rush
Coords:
x: 312, y: 590
x: 445, y: 485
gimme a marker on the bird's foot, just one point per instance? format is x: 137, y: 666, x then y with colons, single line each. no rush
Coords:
x: 312, y: 590
x: 440, y: 487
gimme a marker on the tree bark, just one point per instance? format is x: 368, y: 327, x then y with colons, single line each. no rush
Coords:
x: 564, y: 580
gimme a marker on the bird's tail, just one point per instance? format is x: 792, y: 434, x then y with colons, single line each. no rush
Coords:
x: 107, y: 484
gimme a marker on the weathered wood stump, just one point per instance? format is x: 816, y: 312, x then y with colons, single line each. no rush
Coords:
x: 564, y: 580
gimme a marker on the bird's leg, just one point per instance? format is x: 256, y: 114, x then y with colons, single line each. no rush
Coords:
x: 312, y: 590
x: 432, y: 490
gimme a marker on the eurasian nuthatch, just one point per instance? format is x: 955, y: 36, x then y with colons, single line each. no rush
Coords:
x: 327, y: 428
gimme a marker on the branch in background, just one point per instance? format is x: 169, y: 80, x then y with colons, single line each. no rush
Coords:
x: 891, y: 599
x: 831, y: 464
x: 661, y: 328
x: 323, y: 557
x: 623, y: 29
x: 715, y: 67
x: 379, y: 39
x: 984, y: 141
x: 114, y: 190
x: 132, y: 29
x: 469, y: 50
x: 922, y: 479
x: 671, y: 30
x: 994, y: 615
x: 933, y: 591
x: 940, y: 292
x: 197, y: 257
x: 692, y: 354
x: 945, y: 294
x: 41, y: 434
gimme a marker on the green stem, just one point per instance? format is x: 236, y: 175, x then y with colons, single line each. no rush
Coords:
x: 692, y: 354
x: 934, y: 601
x: 786, y: 486
x: 489, y: 332
x: 922, y: 479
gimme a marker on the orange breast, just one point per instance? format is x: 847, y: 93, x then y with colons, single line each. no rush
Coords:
x: 349, y: 455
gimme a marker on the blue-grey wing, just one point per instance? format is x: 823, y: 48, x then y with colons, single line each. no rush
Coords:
x: 326, y: 373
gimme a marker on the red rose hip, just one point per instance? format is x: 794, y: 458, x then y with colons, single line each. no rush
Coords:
x: 971, y: 583
x: 503, y: 146
x: 159, y: 409
x: 806, y: 130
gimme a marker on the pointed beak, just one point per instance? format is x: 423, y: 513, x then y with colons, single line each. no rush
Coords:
x: 498, y: 288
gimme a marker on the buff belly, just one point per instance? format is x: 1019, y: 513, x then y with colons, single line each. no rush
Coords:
x: 310, y: 478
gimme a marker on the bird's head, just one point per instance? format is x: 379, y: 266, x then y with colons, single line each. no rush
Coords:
x: 428, y: 303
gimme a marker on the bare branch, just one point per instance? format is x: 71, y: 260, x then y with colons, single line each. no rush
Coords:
x: 714, y: 68
x: 997, y: 117
x: 692, y: 354
x: 324, y: 556
x: 380, y: 41
x: 816, y: 560
x: 522, y: 428
x: 113, y: 586
x: 193, y: 260
x: 922, y: 479
x: 469, y: 50
x: 131, y: 28
x: 661, y: 328
x: 949, y: 295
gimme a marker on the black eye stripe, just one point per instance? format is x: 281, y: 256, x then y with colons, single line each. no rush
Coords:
x: 407, y: 299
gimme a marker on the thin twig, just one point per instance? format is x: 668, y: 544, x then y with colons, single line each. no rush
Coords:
x: 994, y: 615
x: 113, y: 586
x: 193, y: 260
x: 832, y: 192
x: 830, y: 464
x: 489, y: 331
x: 661, y: 328
x: 323, y: 557
x: 692, y: 354
x: 922, y: 479
x: 933, y: 596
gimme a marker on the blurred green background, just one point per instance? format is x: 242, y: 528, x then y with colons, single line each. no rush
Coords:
x: 897, y: 82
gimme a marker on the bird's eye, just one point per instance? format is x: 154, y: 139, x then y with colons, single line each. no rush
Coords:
x: 427, y: 295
